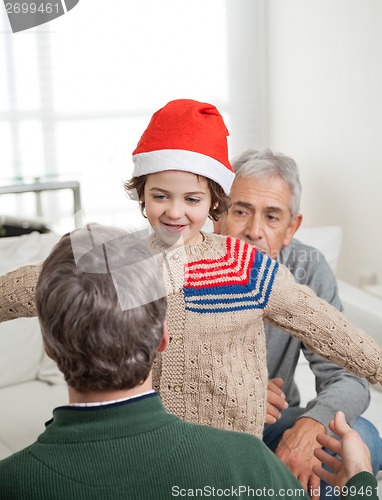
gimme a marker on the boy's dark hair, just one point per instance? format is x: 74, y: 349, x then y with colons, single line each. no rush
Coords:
x: 101, y: 304
x: 220, y: 202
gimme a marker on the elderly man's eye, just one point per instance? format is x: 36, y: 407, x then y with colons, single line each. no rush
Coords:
x: 272, y: 218
x: 240, y: 213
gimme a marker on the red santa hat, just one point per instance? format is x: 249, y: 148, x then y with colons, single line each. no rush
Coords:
x: 185, y: 135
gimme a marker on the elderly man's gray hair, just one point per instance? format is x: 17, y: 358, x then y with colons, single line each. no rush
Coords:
x: 263, y: 164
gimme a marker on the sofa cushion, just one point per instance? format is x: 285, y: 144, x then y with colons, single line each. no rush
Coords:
x: 22, y: 353
x: 24, y: 410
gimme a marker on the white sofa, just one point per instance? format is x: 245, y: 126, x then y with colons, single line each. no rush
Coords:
x: 31, y: 385
x: 363, y: 309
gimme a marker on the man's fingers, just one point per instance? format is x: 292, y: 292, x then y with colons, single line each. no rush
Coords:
x: 275, y: 396
x: 340, y: 424
x: 273, y: 414
x: 304, y: 480
x: 270, y: 419
x: 329, y: 442
x: 324, y: 474
x: 274, y: 385
x: 278, y: 382
x: 275, y: 400
x: 332, y: 462
x: 314, y: 487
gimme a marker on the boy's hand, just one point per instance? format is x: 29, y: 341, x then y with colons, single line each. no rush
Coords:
x: 355, y: 455
x: 275, y: 400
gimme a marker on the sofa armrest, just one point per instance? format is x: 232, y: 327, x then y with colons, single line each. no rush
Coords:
x: 362, y: 309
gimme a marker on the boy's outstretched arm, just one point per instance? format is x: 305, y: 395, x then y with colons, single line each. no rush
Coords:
x: 17, y: 293
x: 322, y: 328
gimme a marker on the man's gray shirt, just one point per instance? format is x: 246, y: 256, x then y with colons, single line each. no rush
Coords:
x: 337, y: 389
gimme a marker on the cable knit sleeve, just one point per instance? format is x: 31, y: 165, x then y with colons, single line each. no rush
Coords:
x: 17, y: 293
x: 322, y: 328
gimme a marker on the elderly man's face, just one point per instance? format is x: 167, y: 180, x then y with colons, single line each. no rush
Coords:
x: 260, y: 214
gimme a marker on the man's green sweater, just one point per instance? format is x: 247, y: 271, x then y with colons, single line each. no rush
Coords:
x: 136, y: 450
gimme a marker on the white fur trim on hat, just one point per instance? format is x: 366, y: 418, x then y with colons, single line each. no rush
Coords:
x: 187, y: 161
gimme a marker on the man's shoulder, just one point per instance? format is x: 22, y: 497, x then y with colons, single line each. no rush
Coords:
x: 297, y: 249
x: 298, y: 255
x: 11, y: 465
x: 310, y: 267
x: 215, y: 438
x: 239, y: 455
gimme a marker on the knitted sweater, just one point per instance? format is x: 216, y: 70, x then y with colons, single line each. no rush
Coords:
x: 135, y: 450
x: 219, y: 292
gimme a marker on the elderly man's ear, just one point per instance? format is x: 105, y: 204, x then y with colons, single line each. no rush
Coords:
x: 295, y: 223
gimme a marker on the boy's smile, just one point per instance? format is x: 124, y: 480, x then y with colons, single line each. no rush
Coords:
x: 177, y: 204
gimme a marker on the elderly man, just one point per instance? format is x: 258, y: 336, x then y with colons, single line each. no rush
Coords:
x: 265, y: 212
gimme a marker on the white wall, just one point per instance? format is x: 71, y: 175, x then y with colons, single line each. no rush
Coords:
x: 247, y: 105
x: 325, y: 95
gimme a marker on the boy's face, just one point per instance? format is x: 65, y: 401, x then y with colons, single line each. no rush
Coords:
x: 177, y: 204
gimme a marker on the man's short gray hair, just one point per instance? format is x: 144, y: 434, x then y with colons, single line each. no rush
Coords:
x: 263, y: 164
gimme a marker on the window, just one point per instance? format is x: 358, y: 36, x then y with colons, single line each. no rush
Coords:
x: 79, y: 91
